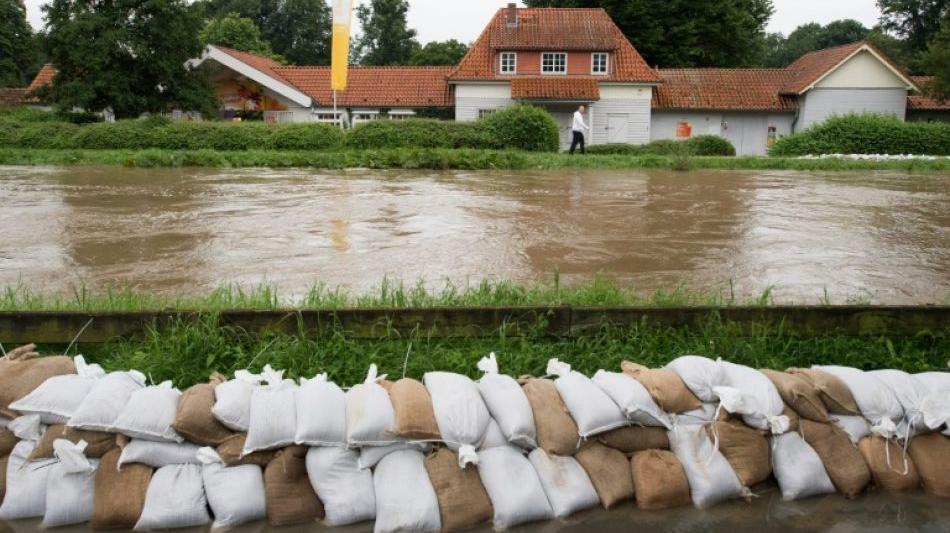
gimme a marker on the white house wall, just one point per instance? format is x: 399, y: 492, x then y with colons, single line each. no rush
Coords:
x: 747, y: 131
x: 631, y: 101
x: 470, y: 98
x: 862, y: 70
x: 817, y: 105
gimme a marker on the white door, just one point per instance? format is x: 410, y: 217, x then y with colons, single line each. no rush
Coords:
x: 617, y: 124
x: 564, y: 122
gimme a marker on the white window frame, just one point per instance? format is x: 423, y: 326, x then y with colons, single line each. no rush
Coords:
x: 400, y: 114
x: 554, y: 72
x: 593, y: 63
x: 484, y: 112
x: 514, y: 63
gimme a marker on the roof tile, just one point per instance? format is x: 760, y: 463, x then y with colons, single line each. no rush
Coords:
x: 375, y: 86
x: 724, y: 89
x: 560, y: 88
x: 923, y: 102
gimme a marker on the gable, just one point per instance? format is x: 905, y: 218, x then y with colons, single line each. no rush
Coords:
x: 862, y: 71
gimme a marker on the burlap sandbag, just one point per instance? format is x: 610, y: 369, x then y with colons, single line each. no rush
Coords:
x: 463, y: 501
x: 798, y: 393
x: 931, y: 454
x: 745, y: 449
x: 194, y: 420
x: 290, y: 498
x: 608, y: 470
x: 794, y: 421
x: 665, y: 386
x: 833, y: 392
x: 659, y: 480
x: 632, y: 439
x: 230, y: 451
x: 889, y: 478
x: 842, y: 459
x: 7, y: 442
x: 98, y: 443
x: 557, y: 431
x: 3, y: 476
x: 18, y: 377
x: 412, y: 409
x: 119, y: 495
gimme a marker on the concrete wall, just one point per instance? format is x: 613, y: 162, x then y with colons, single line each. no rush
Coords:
x: 747, y: 131
x: 470, y: 98
x: 818, y: 104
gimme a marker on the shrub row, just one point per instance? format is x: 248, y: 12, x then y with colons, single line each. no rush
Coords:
x: 867, y: 134
x: 701, y: 145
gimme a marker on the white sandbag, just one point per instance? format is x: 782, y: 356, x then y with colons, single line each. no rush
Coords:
x: 235, y: 494
x: 149, y: 414
x: 371, y: 455
x: 26, y: 483
x: 493, y: 437
x: 590, y: 407
x: 856, y: 426
x: 752, y: 394
x: 633, y: 399
x: 321, y: 413
x: 702, y: 415
x: 507, y: 404
x: 56, y: 399
x: 565, y: 482
x: 460, y: 413
x: 513, y: 487
x: 175, y: 498
x: 875, y: 401
x: 4, y: 421
x: 925, y: 410
x: 700, y: 374
x: 27, y: 427
x: 106, y: 399
x: 711, y: 478
x: 273, y: 413
x: 405, y: 499
x: 936, y: 406
x: 345, y: 489
x: 232, y: 400
x: 797, y: 468
x: 71, y: 485
x: 159, y: 454
x: 935, y: 381
x: 369, y: 413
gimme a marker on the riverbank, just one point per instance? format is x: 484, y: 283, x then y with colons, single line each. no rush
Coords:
x: 439, y: 159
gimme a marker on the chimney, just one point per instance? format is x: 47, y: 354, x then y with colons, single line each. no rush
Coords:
x: 511, y: 15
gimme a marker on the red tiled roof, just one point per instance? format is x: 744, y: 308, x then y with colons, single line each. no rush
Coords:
x: 733, y: 89
x: 560, y: 88
x: 375, y: 86
x: 924, y: 102
x: 43, y: 78
x: 12, y: 96
x: 264, y: 64
x: 812, y: 66
x: 554, y: 29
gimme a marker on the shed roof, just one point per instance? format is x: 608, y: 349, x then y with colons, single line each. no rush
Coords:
x: 724, y: 89
x: 375, y: 86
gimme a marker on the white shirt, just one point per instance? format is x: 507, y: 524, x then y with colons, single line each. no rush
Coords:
x: 579, y: 124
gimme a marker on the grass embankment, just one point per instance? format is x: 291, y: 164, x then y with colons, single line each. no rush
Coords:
x: 436, y: 159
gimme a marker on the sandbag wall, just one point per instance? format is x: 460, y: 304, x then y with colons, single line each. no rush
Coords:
x: 79, y: 445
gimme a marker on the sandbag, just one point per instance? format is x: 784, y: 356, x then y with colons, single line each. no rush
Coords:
x: 635, y: 439
x: 665, y: 387
x: 745, y: 449
x: 158, y: 454
x: 493, y: 437
x: 71, y: 486
x: 799, y: 394
x: 232, y: 448
x: 289, y: 497
x: 25, y: 484
x: 119, y: 495
x: 273, y: 422
x: 700, y: 374
x: 920, y: 415
x: 175, y: 498
x: 23, y: 371
x: 460, y: 413
x: 412, y: 411
x: 634, y: 401
x: 346, y: 490
x: 749, y: 393
x: 369, y: 413
x: 97, y: 442
x: 232, y: 400
x: 3, y: 476
x: 930, y: 454
x: 711, y: 478
x: 194, y: 420
x: 149, y: 414
x: 321, y: 413
x: 797, y: 468
x: 235, y: 494
x: 875, y: 401
x: 370, y: 456
x: 833, y: 392
x: 513, y: 487
x: 659, y: 480
x: 878, y: 452
x: 507, y: 403
x: 842, y: 459
x: 56, y: 399
x: 405, y: 499
x: 27, y: 427
x: 590, y: 407
x: 565, y: 483
x: 857, y: 427
x: 609, y: 472
x: 105, y: 401
x: 556, y: 430
x: 7, y: 441
x: 463, y: 502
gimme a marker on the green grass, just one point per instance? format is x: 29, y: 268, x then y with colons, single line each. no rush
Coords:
x: 435, y: 158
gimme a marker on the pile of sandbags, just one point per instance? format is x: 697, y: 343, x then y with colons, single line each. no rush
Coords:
x: 78, y: 444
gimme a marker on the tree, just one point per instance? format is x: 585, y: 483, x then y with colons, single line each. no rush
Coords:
x: 235, y: 31
x: 936, y: 62
x: 448, y: 52
x: 916, y: 21
x: 686, y: 33
x: 781, y: 51
x: 18, y: 54
x: 126, y: 55
x: 387, y: 38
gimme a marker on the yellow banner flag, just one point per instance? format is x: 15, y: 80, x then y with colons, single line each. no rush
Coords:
x: 340, y: 55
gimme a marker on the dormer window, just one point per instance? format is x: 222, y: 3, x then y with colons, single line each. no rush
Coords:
x: 554, y: 63
x: 599, y: 63
x: 509, y: 63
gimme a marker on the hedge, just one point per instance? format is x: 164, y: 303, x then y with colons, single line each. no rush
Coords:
x: 701, y: 145
x: 523, y: 127
x: 867, y: 134
x: 418, y: 133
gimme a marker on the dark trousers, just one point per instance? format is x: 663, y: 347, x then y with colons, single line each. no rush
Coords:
x: 578, y: 140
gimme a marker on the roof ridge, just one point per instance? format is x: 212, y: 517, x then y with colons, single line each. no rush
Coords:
x: 369, y: 67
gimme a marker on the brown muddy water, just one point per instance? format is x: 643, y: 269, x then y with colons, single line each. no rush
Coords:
x: 882, y: 237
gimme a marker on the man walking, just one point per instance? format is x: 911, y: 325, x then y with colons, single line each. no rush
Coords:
x: 577, y: 128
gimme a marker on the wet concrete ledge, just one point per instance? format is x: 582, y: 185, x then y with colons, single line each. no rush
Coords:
x: 55, y: 327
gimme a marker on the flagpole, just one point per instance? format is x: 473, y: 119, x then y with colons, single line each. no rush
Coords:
x: 336, y: 117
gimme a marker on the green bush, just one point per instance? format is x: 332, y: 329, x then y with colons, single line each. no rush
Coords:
x: 702, y: 145
x: 417, y: 133
x: 523, y: 127
x: 705, y: 145
x: 305, y: 137
x: 27, y: 114
x: 617, y: 149
x: 124, y: 134
x: 38, y: 134
x: 866, y: 134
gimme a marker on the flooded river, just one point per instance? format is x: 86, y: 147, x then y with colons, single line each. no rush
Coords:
x: 882, y: 237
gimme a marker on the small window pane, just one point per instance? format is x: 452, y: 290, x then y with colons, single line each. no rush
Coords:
x: 554, y: 63
x: 599, y: 63
x: 482, y: 113
x: 509, y: 62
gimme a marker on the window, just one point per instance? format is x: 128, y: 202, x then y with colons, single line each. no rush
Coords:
x: 598, y: 63
x: 482, y: 113
x: 554, y: 63
x: 509, y: 62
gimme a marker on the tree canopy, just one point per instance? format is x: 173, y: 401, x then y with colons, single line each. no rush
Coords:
x: 386, y: 38
x: 18, y: 52
x: 936, y: 61
x: 915, y: 21
x: 448, y: 52
x: 235, y: 31
x: 781, y: 50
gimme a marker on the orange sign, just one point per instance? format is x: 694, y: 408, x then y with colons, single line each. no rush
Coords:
x: 684, y: 130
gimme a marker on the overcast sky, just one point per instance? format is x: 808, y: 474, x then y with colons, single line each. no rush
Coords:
x: 437, y: 20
